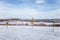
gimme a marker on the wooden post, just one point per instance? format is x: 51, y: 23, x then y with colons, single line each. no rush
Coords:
x: 53, y: 26
x: 32, y: 22
x: 7, y: 24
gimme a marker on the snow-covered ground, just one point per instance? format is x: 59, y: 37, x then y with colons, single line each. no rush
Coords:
x: 29, y: 33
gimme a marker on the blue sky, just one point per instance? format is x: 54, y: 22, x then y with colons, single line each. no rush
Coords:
x: 43, y: 9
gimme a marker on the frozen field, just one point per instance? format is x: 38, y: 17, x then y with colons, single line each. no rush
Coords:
x: 29, y: 33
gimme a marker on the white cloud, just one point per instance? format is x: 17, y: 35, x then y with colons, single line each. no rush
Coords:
x: 27, y: 11
x: 10, y: 10
x: 40, y: 1
x: 49, y: 14
x: 53, y: 14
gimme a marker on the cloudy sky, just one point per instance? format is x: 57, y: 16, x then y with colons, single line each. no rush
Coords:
x: 43, y: 9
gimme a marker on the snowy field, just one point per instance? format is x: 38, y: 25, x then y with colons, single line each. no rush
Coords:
x: 29, y: 33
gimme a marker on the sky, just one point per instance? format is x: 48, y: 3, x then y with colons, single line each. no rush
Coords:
x: 38, y: 9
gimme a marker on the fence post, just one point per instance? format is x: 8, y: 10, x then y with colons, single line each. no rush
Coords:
x: 32, y: 22
x: 53, y: 25
x: 7, y: 24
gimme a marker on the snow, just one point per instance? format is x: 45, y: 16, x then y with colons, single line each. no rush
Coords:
x: 29, y: 33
